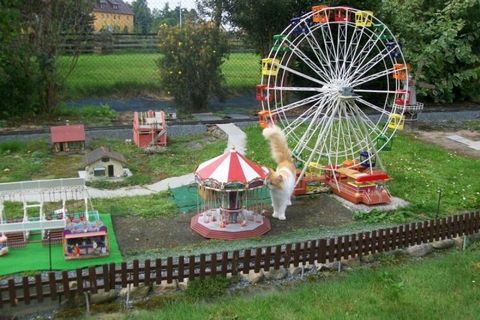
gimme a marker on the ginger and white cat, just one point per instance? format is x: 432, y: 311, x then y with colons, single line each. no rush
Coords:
x: 281, y: 181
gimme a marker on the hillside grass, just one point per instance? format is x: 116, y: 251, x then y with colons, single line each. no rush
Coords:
x: 439, y: 287
x: 418, y: 170
x: 130, y: 73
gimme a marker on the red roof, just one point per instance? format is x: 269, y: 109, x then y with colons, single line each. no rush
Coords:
x: 70, y: 133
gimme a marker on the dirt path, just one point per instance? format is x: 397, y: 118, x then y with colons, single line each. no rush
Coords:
x: 137, y: 234
x: 440, y: 138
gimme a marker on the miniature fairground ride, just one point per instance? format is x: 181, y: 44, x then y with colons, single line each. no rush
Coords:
x: 334, y: 81
x: 52, y: 224
x: 230, y: 187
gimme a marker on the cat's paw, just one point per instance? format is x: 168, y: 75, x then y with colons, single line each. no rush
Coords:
x: 282, y: 218
x: 275, y: 215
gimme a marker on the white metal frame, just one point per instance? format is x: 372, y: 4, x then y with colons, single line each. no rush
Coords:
x: 331, y: 126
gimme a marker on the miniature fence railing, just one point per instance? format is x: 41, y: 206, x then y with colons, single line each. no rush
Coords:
x: 111, y: 276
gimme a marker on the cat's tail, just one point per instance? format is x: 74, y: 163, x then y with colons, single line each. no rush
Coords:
x: 278, y: 144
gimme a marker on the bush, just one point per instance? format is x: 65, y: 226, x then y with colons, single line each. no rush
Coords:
x: 207, y: 288
x: 190, y: 69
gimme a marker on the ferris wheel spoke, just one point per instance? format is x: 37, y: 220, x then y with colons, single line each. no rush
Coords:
x: 333, y: 49
x: 367, y: 47
x: 371, y: 77
x: 300, y: 74
x: 374, y: 91
x: 372, y: 106
x: 298, y: 121
x: 357, y: 74
x: 352, y: 48
x: 373, y: 127
x: 345, y: 46
x: 314, y: 89
x: 296, y: 104
x: 318, y: 52
x: 299, y: 53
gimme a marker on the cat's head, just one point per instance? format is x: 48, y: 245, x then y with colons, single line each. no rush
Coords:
x: 274, y: 180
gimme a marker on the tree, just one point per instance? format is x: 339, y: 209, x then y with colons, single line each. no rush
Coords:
x: 171, y: 17
x: 142, y: 15
x: 190, y: 66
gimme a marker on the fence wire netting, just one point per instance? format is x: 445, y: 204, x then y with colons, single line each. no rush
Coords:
x: 120, y: 54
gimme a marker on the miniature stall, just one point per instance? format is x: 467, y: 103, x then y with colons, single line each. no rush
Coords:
x: 83, y: 239
x: 3, y: 245
x: 149, y: 129
x: 230, y: 186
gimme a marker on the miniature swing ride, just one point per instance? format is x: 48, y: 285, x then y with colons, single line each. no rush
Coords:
x: 231, y: 186
x: 337, y: 84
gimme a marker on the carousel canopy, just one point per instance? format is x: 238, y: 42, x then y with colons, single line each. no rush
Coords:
x: 231, y: 170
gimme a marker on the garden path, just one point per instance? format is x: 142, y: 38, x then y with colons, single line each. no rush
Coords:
x: 236, y: 138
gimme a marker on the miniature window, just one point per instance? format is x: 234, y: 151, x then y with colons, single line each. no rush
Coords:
x: 99, y: 172
x: 115, y: 6
x: 105, y: 159
x: 103, y: 5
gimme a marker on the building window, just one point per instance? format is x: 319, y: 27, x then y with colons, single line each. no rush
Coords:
x: 105, y: 159
x: 115, y: 6
x: 103, y: 5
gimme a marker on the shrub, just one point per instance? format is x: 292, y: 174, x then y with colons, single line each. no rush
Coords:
x: 190, y: 68
x: 207, y: 288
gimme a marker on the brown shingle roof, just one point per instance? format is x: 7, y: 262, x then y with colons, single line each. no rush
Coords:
x: 123, y: 8
x: 102, y: 152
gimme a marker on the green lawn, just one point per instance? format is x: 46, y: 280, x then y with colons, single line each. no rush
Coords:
x: 34, y: 160
x: 417, y: 169
x: 35, y: 257
x: 442, y: 287
x: 132, y: 72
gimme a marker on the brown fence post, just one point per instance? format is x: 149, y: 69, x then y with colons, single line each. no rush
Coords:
x: 135, y: 272
x: 113, y: 275
x: 106, y: 278
x: 338, y: 248
x: 213, y: 264
x: 181, y: 267
x: 53, y: 285
x: 39, y: 287
x: 12, y: 292
x: 322, y: 250
x: 246, y: 261
x: 124, y: 274
x: 296, y: 254
x: 258, y: 260
x: 92, y: 279
x: 26, y: 290
x: 224, y: 263
x: 235, y: 260
x: 311, y: 254
x: 1, y: 298
x: 202, y: 266
x: 266, y: 261
x: 147, y: 272
x: 191, y: 267
x: 65, y: 284
x: 287, y: 256
x: 169, y: 270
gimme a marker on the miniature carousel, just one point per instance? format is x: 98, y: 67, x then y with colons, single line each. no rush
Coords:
x: 230, y: 189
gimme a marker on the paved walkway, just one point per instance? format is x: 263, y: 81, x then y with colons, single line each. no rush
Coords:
x: 475, y: 145
x: 236, y: 138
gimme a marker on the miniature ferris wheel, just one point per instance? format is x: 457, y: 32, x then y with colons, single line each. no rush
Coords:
x: 336, y: 82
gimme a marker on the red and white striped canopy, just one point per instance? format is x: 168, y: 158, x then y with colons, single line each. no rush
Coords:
x: 231, y: 167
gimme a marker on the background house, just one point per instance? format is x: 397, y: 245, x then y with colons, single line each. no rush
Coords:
x: 68, y: 138
x: 104, y: 163
x: 112, y: 15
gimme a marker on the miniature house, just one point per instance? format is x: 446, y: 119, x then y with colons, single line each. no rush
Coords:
x: 103, y: 163
x: 68, y: 138
x: 149, y: 129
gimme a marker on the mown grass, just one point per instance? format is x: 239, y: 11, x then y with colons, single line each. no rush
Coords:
x: 442, y: 287
x: 34, y: 160
x: 418, y: 170
x: 128, y: 73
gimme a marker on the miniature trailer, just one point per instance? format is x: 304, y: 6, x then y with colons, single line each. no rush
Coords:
x: 149, y: 129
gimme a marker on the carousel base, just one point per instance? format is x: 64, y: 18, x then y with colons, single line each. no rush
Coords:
x: 233, y: 231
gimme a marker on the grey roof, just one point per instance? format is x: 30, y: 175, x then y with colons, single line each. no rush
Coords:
x: 102, y: 152
x: 123, y: 8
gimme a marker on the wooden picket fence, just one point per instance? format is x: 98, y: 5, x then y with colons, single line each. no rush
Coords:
x: 54, y: 285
